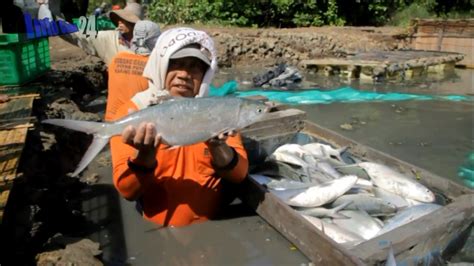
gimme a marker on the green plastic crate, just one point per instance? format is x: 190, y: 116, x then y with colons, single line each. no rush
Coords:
x: 22, y: 60
x: 103, y: 23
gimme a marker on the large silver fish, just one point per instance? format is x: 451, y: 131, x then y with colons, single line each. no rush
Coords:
x: 323, y: 212
x: 180, y: 122
x: 396, y: 182
x: 359, y: 222
x: 366, y: 202
x: 338, y: 234
x: 393, y: 198
x: 317, y: 195
x: 407, y: 215
x: 326, y: 152
x: 280, y: 184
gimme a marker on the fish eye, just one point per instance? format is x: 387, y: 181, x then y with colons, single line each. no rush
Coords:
x: 259, y: 110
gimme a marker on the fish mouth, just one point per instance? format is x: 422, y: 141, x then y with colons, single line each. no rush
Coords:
x: 268, y: 107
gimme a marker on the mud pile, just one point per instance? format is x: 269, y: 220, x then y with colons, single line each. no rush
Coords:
x: 43, y: 223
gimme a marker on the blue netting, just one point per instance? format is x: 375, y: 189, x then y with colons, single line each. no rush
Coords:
x: 466, y: 170
x: 312, y: 96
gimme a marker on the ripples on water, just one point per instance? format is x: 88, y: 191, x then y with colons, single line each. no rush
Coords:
x: 435, y: 135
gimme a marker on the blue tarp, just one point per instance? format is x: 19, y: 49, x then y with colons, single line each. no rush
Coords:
x: 313, y: 96
x: 466, y: 170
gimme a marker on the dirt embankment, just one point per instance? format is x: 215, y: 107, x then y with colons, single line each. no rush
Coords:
x: 241, y: 47
x: 259, y: 47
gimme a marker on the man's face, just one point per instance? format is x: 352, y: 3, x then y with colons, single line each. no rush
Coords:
x: 184, y: 76
x: 125, y: 27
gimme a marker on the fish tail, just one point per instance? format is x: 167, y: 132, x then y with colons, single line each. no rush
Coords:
x: 343, y: 149
x: 97, y: 129
x: 340, y: 152
x: 335, y: 211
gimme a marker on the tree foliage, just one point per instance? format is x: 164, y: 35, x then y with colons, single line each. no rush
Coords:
x: 295, y: 13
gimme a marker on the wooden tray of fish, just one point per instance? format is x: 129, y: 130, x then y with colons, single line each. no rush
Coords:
x: 342, y: 203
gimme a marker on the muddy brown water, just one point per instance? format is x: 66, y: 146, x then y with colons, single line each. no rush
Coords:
x: 240, y: 238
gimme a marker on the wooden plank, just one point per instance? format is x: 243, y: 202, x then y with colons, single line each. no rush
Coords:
x: 437, y: 229
x: 4, y: 198
x: 320, y: 249
x: 16, y: 108
x: 288, y: 120
x: 11, y: 147
x: 445, y: 35
x: 19, y: 119
x: 464, y: 27
x: 461, y: 45
x: 447, y: 187
x: 31, y: 95
x: 308, y: 63
x: 16, y: 126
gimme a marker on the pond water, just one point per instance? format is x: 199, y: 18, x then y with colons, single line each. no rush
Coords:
x: 435, y: 135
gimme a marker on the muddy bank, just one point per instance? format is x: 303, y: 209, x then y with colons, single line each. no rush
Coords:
x: 43, y: 222
x: 244, y: 47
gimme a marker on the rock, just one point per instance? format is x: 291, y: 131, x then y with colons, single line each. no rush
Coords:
x: 90, y: 179
x: 82, y: 252
x: 346, y: 126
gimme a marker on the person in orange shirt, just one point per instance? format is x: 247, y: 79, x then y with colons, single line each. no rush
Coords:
x: 176, y: 186
x: 126, y: 68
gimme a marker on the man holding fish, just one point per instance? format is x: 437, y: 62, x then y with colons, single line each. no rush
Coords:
x: 174, y: 157
x: 182, y: 185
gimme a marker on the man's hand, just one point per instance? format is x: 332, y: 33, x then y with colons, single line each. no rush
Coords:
x: 145, y: 140
x: 221, y: 138
x: 221, y: 153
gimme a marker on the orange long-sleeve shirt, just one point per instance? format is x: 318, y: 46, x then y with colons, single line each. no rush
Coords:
x: 125, y: 80
x: 184, y: 188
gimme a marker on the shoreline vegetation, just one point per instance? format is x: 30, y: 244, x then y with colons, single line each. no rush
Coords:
x: 297, y: 13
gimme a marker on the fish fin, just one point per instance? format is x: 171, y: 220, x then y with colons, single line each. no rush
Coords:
x: 77, y: 125
x: 338, y: 155
x: 96, y: 128
x: 391, y: 257
x: 339, y: 216
x: 335, y: 211
x: 353, y: 169
x: 323, y: 151
x: 96, y: 146
x: 261, y: 179
x: 225, y: 130
x: 161, y: 99
x: 343, y: 149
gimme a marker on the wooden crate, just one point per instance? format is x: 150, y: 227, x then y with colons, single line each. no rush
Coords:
x: 413, y: 243
x: 445, y: 35
x: 15, y: 121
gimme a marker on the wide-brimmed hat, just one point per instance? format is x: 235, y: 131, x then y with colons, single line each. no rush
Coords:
x: 193, y: 50
x: 123, y: 14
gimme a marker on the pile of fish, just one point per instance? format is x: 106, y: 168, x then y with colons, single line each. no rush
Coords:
x: 349, y: 200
